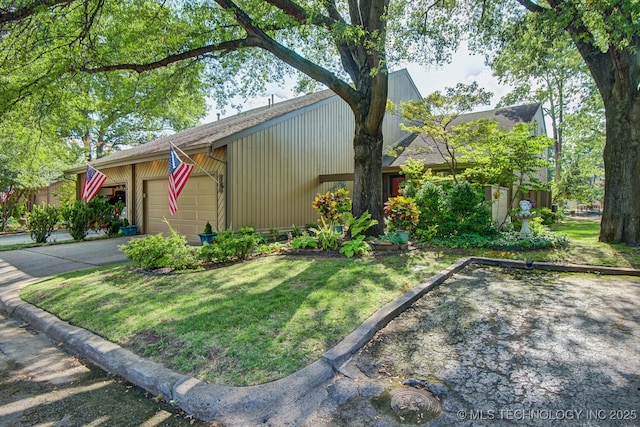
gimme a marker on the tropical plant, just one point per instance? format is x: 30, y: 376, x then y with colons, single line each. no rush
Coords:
x: 327, y: 236
x: 331, y: 205
x: 304, y: 242
x: 402, y: 213
x: 357, y: 246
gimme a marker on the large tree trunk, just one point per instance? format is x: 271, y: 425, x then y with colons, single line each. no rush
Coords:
x: 367, y: 186
x: 621, y: 216
x: 617, y: 75
x: 367, y: 144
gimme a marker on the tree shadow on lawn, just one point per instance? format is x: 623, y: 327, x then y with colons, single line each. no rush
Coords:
x: 241, y: 332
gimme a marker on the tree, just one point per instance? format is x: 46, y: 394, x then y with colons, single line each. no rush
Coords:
x: 510, y: 158
x: 607, y: 35
x: 543, y: 65
x: 437, y: 115
x: 346, y: 46
x: 107, y: 111
x: 31, y: 157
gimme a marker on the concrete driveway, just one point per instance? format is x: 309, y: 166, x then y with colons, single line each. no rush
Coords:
x: 35, y: 263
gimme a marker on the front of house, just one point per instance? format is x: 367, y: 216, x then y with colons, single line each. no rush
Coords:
x: 261, y: 168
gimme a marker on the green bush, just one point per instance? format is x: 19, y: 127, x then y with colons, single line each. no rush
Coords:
x: 81, y: 217
x: 156, y: 251
x: 228, y: 246
x: 548, y: 216
x: 42, y: 221
x: 452, y: 210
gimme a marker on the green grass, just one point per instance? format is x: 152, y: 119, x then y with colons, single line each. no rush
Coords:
x: 260, y: 320
x: 243, y: 324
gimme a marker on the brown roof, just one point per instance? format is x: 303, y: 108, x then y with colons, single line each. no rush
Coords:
x: 420, y: 146
x: 200, y: 137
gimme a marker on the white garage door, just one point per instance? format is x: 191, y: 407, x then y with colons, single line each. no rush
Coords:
x: 197, y: 204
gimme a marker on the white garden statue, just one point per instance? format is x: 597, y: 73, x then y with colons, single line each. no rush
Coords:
x: 525, y: 206
x: 525, y: 215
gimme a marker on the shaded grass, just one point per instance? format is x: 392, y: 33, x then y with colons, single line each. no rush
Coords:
x: 246, y: 323
x: 260, y: 320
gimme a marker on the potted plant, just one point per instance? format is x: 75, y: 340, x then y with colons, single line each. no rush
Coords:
x: 207, y: 235
x: 331, y: 206
x: 127, y: 229
x: 402, y: 214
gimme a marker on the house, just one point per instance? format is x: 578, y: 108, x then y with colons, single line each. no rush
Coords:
x: 433, y: 153
x: 261, y: 168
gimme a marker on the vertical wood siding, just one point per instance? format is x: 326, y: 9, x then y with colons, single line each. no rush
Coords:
x: 274, y: 172
x: 192, y: 214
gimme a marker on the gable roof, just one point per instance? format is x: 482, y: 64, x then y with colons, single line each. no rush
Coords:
x: 420, y: 146
x: 200, y: 137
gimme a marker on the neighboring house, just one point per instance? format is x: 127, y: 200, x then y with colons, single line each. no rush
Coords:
x: 422, y: 147
x: 51, y: 195
x: 263, y: 167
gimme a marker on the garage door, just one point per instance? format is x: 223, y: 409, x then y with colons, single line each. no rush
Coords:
x: 197, y: 204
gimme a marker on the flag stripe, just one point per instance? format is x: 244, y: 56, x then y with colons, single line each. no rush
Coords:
x: 178, y: 175
x: 93, y: 181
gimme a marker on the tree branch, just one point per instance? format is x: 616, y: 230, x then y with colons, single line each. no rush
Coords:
x: 224, y: 47
x: 316, y: 72
x: 532, y: 6
x: 18, y: 14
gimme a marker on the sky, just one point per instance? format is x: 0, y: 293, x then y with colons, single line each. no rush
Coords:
x: 464, y: 68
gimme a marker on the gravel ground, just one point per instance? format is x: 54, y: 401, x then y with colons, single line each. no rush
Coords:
x: 503, y: 347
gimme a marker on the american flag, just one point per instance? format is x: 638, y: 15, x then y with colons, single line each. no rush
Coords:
x: 178, y: 175
x: 93, y: 180
x: 4, y: 195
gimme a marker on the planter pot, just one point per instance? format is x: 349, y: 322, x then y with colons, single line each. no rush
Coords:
x: 129, y: 230
x: 403, y: 236
x: 337, y: 228
x: 207, y: 237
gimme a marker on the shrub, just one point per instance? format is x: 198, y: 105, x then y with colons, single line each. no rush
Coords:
x: 548, y: 216
x: 156, y: 251
x: 42, y: 221
x: 79, y: 218
x: 331, y: 205
x: 402, y: 213
x: 228, y: 246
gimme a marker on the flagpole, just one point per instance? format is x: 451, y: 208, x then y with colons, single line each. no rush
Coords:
x: 194, y: 162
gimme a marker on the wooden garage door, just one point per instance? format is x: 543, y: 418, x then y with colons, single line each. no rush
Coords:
x: 197, y: 204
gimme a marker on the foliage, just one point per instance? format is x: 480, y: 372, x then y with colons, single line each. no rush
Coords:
x: 510, y: 241
x: 452, y: 210
x: 331, y: 205
x: 42, y: 222
x: 327, y: 237
x: 207, y: 228
x: 435, y: 116
x: 229, y: 246
x: 80, y: 217
x: 356, y: 246
x: 542, y: 64
x: 304, y: 242
x: 156, y: 251
x: 547, y: 216
x: 402, y: 213
x: 356, y: 226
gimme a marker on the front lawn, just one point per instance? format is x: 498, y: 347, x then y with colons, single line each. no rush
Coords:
x: 246, y: 323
